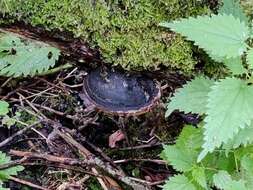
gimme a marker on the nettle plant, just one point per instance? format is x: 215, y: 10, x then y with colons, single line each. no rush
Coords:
x: 20, y: 57
x: 219, y: 152
x: 6, y: 173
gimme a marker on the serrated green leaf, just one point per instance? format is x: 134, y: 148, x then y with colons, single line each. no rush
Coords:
x: 182, y: 156
x: 247, y: 170
x: 250, y: 58
x: 247, y: 164
x: 4, y: 108
x: 243, y: 137
x: 7, y: 42
x: 216, y: 58
x: 6, y: 173
x: 179, y: 182
x: 180, y: 159
x: 234, y: 8
x: 198, y: 174
x: 230, y: 108
x: 223, y: 181
x: 22, y: 57
x: 242, y: 151
x: 192, y: 97
x: 221, y: 35
x: 235, y: 65
x: 190, y: 138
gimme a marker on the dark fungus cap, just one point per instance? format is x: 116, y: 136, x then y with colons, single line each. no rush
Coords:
x: 119, y: 93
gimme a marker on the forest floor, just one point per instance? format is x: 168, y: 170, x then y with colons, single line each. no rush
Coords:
x: 64, y: 147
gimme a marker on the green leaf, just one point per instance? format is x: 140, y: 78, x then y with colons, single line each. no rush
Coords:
x: 183, y: 155
x: 22, y: 57
x: 190, y: 138
x: 250, y: 58
x: 2, y: 188
x: 216, y: 58
x: 192, y: 97
x: 180, y: 159
x: 230, y: 108
x: 243, y: 137
x: 8, y: 41
x: 240, y: 152
x: 234, y: 8
x: 221, y: 35
x: 235, y: 65
x: 4, y: 108
x: 247, y: 164
x: 198, y: 174
x: 6, y: 173
x: 247, y: 170
x: 179, y: 182
x: 8, y: 121
x: 223, y: 181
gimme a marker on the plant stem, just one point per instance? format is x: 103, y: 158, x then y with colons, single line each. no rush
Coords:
x: 55, y: 70
x: 236, y: 164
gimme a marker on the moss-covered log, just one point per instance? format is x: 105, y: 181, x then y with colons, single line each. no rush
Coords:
x: 126, y: 32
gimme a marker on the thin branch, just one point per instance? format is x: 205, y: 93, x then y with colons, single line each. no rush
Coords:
x: 20, y: 132
x: 105, y: 166
x: 27, y: 183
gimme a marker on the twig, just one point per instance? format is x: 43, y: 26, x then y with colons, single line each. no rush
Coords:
x: 119, y: 174
x: 52, y: 158
x: 34, y: 105
x: 61, y: 160
x: 12, y: 163
x: 6, y: 82
x: 73, y: 86
x: 31, y: 105
x: 37, y: 94
x: 70, y: 73
x: 86, y: 153
x: 54, y: 85
x: 27, y: 183
x: 161, y: 162
x: 65, y: 136
x: 157, y: 182
x: 98, y: 150
x: 39, y: 133
x: 146, y: 146
x: 22, y: 131
x: 57, y: 69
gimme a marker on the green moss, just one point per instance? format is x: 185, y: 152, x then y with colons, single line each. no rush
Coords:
x: 248, y: 7
x: 126, y: 32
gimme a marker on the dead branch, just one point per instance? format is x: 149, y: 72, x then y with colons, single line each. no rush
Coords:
x: 118, y: 174
x: 52, y: 158
x: 20, y: 132
x: 27, y: 183
x: 160, y: 162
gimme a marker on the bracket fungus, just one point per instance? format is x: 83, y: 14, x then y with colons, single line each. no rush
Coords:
x: 118, y: 93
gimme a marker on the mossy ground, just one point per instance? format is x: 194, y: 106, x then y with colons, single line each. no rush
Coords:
x: 126, y: 32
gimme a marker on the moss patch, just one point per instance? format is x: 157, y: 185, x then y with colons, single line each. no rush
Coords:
x: 248, y: 7
x: 126, y: 32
